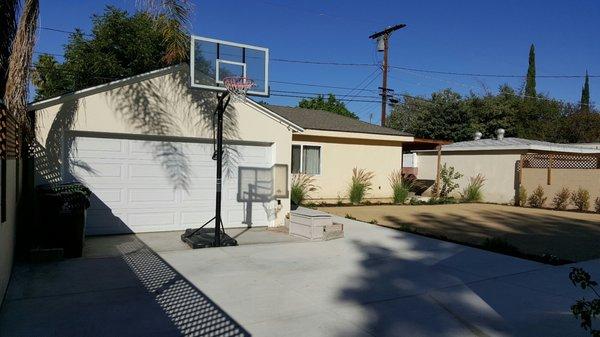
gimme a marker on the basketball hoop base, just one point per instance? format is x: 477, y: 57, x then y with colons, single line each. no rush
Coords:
x: 205, y: 238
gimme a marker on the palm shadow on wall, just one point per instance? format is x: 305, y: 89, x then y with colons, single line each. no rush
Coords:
x: 54, y: 165
x: 147, y: 107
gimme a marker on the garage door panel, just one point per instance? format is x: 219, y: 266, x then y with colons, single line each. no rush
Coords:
x: 99, y: 148
x: 148, y: 218
x: 159, y: 197
x: 103, y: 198
x: 199, y: 196
x: 133, y: 192
x: 195, y: 218
x: 106, y: 221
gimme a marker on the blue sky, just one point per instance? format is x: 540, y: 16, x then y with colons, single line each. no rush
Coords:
x: 491, y: 37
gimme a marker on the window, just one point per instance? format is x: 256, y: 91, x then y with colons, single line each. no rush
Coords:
x: 296, y: 151
x: 306, y: 159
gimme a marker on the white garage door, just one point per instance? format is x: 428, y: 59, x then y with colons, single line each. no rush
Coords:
x: 146, y: 186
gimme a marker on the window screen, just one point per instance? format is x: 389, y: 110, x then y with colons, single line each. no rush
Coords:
x: 296, y: 158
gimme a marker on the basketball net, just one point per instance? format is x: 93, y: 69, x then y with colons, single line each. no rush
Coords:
x: 238, y: 87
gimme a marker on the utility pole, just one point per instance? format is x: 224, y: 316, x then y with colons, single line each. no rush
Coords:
x: 382, y: 38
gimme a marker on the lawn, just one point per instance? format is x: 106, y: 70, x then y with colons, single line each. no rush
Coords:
x: 567, y: 235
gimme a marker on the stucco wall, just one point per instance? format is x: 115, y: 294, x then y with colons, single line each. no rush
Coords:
x: 8, y: 228
x: 570, y: 178
x: 163, y: 106
x: 338, y: 158
x: 499, y: 170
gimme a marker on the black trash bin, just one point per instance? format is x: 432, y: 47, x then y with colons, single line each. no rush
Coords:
x: 63, y: 212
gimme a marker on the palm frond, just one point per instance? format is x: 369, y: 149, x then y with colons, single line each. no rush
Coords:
x: 173, y: 19
x: 20, y: 62
x: 8, y: 29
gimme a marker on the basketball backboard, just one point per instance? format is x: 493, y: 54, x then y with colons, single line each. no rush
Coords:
x: 213, y: 60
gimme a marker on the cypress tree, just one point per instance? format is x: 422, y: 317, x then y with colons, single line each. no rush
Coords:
x: 530, y: 81
x: 585, y: 94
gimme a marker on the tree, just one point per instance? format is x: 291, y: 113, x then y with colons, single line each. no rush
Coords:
x: 444, y: 116
x: 530, y: 90
x: 121, y: 45
x: 585, y: 94
x: 174, y: 16
x: 332, y: 104
x: 21, y: 51
x: 8, y: 28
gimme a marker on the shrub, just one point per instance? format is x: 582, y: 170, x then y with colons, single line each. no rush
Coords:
x: 474, y: 190
x: 400, y: 186
x: 499, y: 245
x: 373, y: 222
x: 302, y: 185
x: 522, y: 196
x: 561, y: 199
x: 447, y: 177
x: 537, y: 198
x: 360, y: 185
x: 348, y: 216
x: 581, y: 199
x: 597, y: 205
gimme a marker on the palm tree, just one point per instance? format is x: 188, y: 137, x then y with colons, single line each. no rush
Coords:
x: 8, y: 28
x: 19, y: 61
x: 173, y: 19
x: 17, y: 43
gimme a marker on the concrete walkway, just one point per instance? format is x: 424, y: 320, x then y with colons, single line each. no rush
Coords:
x: 374, y: 282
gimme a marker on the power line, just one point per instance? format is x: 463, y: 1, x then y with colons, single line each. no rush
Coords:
x: 366, y: 85
x: 62, y: 31
x: 362, y: 82
x: 44, y: 53
x: 357, y: 64
x: 306, y: 96
x: 319, y: 85
x: 322, y: 94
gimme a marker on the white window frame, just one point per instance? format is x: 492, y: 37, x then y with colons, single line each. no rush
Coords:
x: 302, y: 159
x: 218, y: 67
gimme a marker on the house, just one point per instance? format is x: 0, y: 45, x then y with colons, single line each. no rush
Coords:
x: 144, y: 146
x: 499, y: 161
x: 331, y: 145
x: 11, y: 173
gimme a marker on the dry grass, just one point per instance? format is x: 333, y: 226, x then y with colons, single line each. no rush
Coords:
x: 566, y: 234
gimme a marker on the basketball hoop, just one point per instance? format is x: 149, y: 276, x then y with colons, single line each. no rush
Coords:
x: 238, y: 87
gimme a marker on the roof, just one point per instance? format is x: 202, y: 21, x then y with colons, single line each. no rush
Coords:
x: 511, y: 143
x: 329, y: 121
x: 42, y: 104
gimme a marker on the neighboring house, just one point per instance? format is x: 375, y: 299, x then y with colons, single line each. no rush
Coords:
x: 498, y: 161
x: 332, y: 145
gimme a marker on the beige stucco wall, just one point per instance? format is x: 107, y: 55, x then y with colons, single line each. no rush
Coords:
x: 499, y: 170
x: 339, y: 157
x: 570, y: 178
x: 163, y: 106
x: 8, y: 228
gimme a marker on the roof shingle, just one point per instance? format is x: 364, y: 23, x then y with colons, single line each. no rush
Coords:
x: 329, y: 121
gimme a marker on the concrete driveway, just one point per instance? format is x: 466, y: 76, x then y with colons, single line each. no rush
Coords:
x: 374, y: 282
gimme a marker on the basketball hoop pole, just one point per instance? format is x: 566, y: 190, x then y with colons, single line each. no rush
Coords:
x: 222, y: 103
